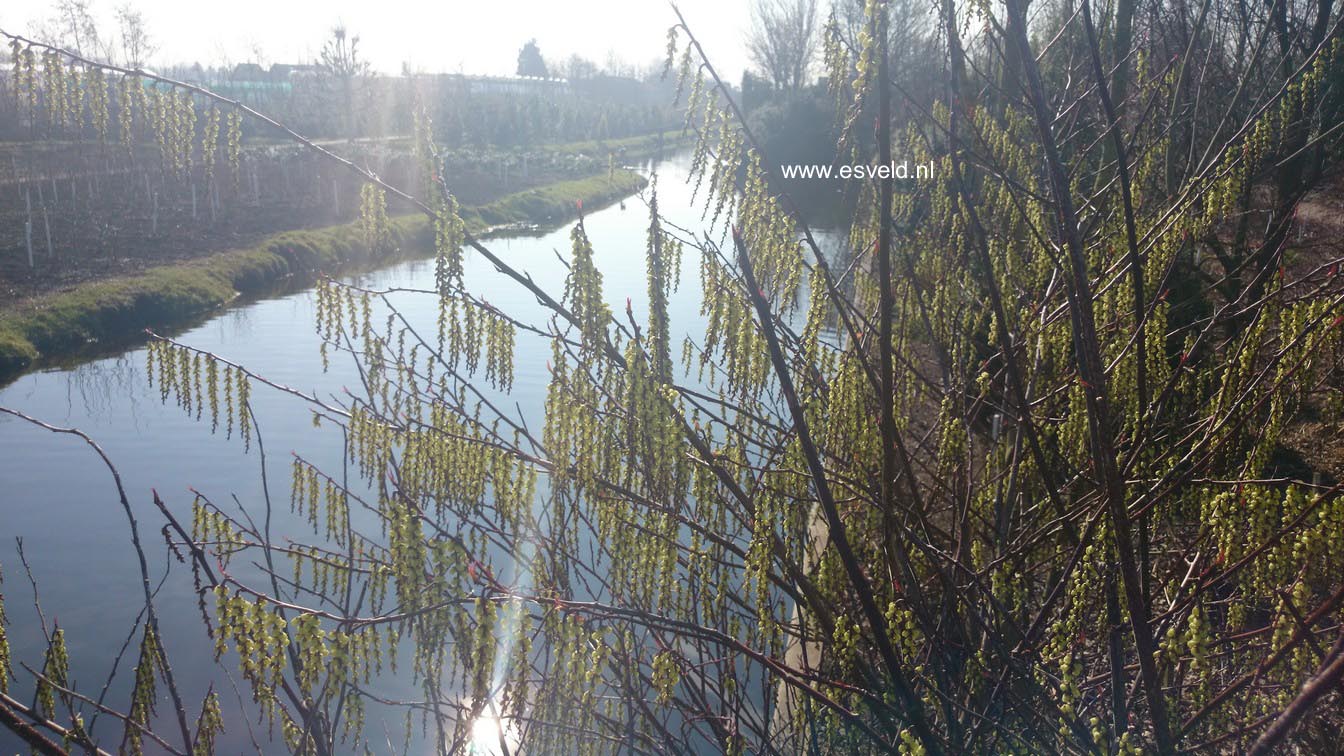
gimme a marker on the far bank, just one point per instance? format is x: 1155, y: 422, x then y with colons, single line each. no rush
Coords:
x: 49, y: 326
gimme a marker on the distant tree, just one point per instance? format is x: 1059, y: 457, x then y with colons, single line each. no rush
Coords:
x: 618, y: 66
x: 978, y: 488
x: 755, y: 91
x: 530, y: 62
x: 782, y: 40
x: 912, y: 44
x: 577, y: 67
x: 340, y: 55
x: 651, y: 72
x: 793, y: 128
x: 255, y: 53
x: 345, y: 70
x: 136, y: 45
x: 75, y: 28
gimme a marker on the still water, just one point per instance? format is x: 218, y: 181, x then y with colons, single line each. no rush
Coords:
x: 58, y: 498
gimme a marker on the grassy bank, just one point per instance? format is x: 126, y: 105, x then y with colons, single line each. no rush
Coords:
x: 118, y: 308
x: 632, y: 148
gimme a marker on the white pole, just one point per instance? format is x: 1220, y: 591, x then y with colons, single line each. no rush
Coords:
x: 154, y: 219
x: 193, y: 200
x: 28, y: 224
x: 47, y: 224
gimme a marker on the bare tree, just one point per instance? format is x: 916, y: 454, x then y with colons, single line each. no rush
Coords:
x: 346, y: 70
x: 782, y: 40
x: 136, y: 44
x: 75, y: 27
x: 910, y: 34
x: 997, y: 493
x: 618, y: 66
x: 575, y: 67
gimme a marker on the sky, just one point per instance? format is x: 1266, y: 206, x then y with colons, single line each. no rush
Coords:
x: 467, y: 36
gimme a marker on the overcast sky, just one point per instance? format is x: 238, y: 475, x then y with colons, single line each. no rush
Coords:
x: 449, y: 35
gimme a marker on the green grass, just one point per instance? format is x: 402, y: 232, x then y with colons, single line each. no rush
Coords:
x: 119, y: 308
x: 16, y: 352
x: 554, y: 203
x: 635, y: 146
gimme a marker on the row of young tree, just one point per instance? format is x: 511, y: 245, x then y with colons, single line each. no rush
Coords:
x: 339, y: 95
x: 116, y: 169
x: 110, y: 167
x: 1010, y: 478
x: 74, y: 25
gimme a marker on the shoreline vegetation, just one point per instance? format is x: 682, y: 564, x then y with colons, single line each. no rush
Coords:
x: 48, y: 327
x: 1036, y: 450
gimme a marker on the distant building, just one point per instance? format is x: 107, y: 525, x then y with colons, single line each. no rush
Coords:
x: 253, y: 84
x: 248, y: 72
x: 289, y: 70
x: 506, y: 85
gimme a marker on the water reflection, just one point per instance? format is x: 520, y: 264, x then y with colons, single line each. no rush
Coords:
x: 56, y: 495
